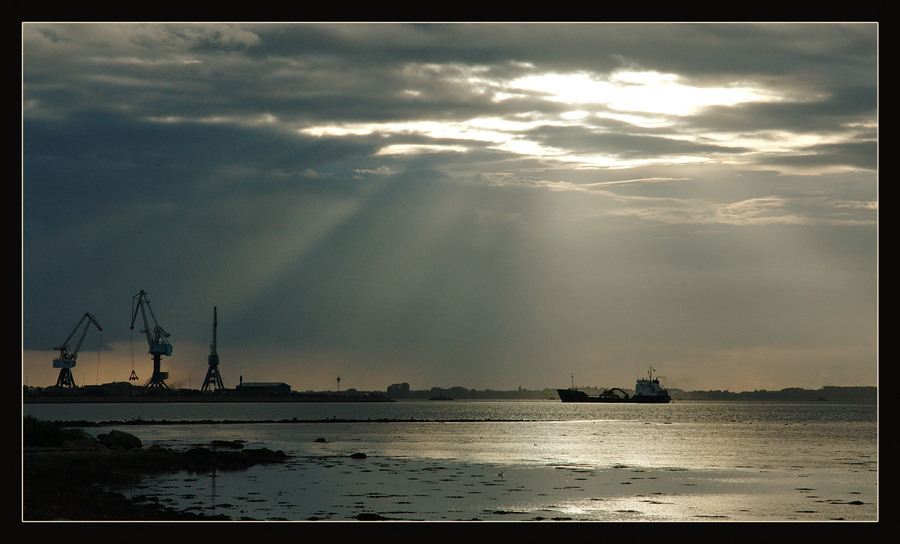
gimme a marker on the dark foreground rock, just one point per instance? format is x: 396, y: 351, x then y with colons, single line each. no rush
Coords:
x: 120, y: 440
x: 68, y: 482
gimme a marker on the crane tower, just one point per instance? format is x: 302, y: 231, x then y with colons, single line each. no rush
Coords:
x: 66, y: 361
x: 213, y: 378
x: 156, y: 339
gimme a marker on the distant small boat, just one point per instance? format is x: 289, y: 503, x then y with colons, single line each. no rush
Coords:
x: 646, y: 390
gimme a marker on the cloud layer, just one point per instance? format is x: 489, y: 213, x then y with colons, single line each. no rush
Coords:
x: 483, y: 205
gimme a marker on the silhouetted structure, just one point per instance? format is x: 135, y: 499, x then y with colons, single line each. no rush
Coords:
x: 213, y: 378
x: 66, y: 360
x: 264, y: 388
x: 156, y: 339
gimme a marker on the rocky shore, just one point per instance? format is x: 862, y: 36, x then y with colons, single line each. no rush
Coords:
x: 68, y: 477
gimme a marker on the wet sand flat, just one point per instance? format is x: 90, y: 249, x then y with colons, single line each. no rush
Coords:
x: 341, y: 489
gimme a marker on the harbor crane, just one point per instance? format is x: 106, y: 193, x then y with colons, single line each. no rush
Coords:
x: 213, y: 378
x: 66, y: 361
x: 156, y: 339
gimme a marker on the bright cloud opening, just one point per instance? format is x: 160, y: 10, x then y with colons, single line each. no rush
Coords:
x: 629, y: 91
x: 640, y: 99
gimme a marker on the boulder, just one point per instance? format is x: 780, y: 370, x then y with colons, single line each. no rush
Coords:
x: 227, y: 444
x: 120, y: 440
x: 264, y: 455
x: 80, y: 439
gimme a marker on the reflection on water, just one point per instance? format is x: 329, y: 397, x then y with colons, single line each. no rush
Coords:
x: 522, y: 460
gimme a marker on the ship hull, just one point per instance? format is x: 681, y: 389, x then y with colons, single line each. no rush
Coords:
x: 573, y: 395
x: 651, y: 400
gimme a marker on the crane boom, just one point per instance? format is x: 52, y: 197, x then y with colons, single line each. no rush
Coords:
x: 66, y: 360
x: 156, y: 339
x: 156, y: 336
x: 213, y: 354
x: 67, y: 357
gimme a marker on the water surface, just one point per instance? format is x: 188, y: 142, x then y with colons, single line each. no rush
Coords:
x: 506, y: 460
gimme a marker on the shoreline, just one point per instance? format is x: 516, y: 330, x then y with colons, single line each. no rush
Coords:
x: 67, y: 483
x: 176, y: 398
x: 86, y: 480
x: 128, y: 393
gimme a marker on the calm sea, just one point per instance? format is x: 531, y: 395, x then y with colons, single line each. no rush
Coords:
x: 518, y: 460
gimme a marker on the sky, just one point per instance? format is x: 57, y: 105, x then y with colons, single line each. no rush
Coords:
x: 483, y: 205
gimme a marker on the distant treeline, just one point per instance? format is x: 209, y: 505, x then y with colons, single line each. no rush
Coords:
x: 402, y: 391
x: 828, y: 393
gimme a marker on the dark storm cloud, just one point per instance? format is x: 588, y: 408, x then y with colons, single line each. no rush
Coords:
x: 831, y: 111
x: 857, y: 155
x: 396, y: 189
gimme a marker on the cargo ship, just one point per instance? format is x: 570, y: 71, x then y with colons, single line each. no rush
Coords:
x: 646, y: 390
